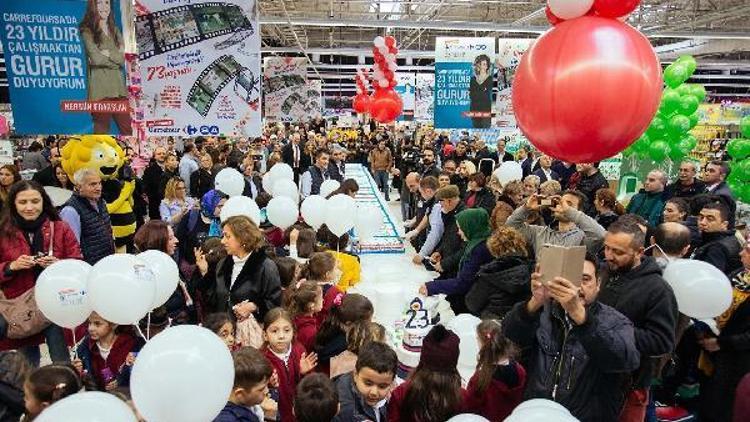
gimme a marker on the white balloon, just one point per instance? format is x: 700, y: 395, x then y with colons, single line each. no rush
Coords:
x: 240, y: 205
x: 468, y: 417
x: 60, y: 292
x: 702, y: 291
x: 383, y: 83
x: 508, y: 172
x: 282, y: 212
x: 166, y: 273
x: 90, y: 406
x: 121, y: 288
x: 186, y: 365
x: 266, y: 182
x: 281, y: 171
x: 540, y: 414
x: 328, y: 187
x: 368, y: 222
x: 569, y: 9
x: 314, y: 211
x: 465, y: 326
x: 379, y: 42
x: 340, y: 214
x: 230, y: 182
x: 287, y: 188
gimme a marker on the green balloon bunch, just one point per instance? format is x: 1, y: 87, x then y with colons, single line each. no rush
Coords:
x: 739, y: 150
x: 667, y: 135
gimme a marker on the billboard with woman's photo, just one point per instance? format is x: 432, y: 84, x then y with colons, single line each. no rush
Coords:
x: 463, y: 82
x: 66, y: 66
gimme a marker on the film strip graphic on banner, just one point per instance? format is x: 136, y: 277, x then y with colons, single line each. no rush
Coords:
x: 215, y: 77
x: 178, y: 27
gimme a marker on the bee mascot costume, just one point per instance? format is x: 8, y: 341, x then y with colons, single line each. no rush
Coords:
x: 102, y: 153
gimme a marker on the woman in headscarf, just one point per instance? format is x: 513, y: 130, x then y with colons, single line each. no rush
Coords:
x: 474, y: 229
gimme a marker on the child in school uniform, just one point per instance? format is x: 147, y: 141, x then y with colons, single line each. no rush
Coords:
x: 331, y: 338
x: 303, y: 302
x: 252, y: 372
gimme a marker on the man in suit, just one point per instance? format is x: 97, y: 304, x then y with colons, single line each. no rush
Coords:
x: 545, y: 172
x: 291, y: 153
x: 501, y: 155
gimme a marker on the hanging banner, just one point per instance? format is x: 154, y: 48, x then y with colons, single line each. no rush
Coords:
x: 424, y: 98
x: 315, y: 99
x: 65, y: 71
x: 200, y: 63
x: 508, y: 58
x: 463, y: 82
x: 285, y: 89
x: 406, y: 88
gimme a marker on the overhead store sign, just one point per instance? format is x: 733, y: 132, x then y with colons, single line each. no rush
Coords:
x: 200, y: 64
x: 463, y: 82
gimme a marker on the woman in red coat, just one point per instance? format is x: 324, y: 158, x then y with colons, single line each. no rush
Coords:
x: 26, y: 226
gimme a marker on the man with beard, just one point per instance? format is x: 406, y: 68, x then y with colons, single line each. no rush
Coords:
x: 632, y: 284
x: 46, y: 176
x: 429, y: 167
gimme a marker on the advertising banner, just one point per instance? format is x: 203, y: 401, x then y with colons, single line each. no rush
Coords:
x: 285, y: 89
x: 65, y: 64
x: 424, y: 99
x: 463, y: 82
x: 406, y: 88
x: 200, y: 65
x: 509, y: 54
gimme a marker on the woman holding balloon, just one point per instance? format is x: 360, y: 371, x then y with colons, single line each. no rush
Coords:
x: 32, y: 237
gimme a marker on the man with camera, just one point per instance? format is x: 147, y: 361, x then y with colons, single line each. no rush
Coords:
x: 581, y: 350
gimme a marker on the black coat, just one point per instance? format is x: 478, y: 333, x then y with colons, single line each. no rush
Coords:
x: 720, y: 249
x: 151, y: 185
x: 257, y: 282
x: 677, y: 190
x: 201, y: 181
x: 583, y: 367
x: 499, y: 285
x: 451, y: 246
x: 46, y: 177
x: 287, y: 155
x: 484, y: 199
x: 648, y: 301
x: 543, y: 177
x: 588, y: 185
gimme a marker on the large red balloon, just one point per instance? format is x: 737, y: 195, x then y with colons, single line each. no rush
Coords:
x: 361, y: 103
x: 586, y: 89
x: 385, y: 105
x: 615, y: 8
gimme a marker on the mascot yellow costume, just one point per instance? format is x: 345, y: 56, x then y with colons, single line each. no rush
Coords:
x: 102, y: 153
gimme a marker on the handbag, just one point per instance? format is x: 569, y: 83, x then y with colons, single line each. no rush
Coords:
x: 21, y: 315
x: 249, y: 332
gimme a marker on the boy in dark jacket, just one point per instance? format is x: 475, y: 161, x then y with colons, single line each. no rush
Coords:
x: 581, y: 350
x: 363, y: 393
x: 251, y: 375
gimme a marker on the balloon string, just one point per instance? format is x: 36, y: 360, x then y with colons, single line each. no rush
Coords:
x: 667, y: 257
x: 75, y: 344
x: 148, y: 326
x: 140, y: 333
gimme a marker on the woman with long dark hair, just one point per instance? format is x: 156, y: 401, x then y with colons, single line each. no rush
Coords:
x: 8, y: 176
x: 32, y: 237
x: 480, y: 92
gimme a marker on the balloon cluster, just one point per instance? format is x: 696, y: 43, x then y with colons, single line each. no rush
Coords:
x: 385, y: 103
x: 361, y: 102
x: 340, y: 213
x: 739, y: 150
x: 667, y: 135
x: 587, y: 100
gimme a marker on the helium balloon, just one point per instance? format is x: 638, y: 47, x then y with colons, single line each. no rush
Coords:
x: 89, y: 406
x: 266, y: 182
x: 743, y: 170
x: 698, y: 91
x: 186, y: 364
x: 230, y: 182
x: 166, y: 273
x: 657, y: 128
x: 670, y: 101
x: 569, y: 9
x: 508, y: 172
x: 4, y: 128
x: 684, y: 89
x: 361, y: 103
x: 693, y: 120
x: 675, y: 74
x: 60, y: 292
x: 328, y: 187
x: 688, y: 105
x: 551, y: 18
x: 705, y: 293
x: 658, y: 150
x: 313, y: 211
x: 368, y: 222
x: 737, y: 148
x: 615, y: 8
x: 282, y: 212
x: 282, y: 171
x: 562, y: 116
x: 340, y: 214
x: 121, y: 288
x: 689, y: 62
x: 385, y: 105
x: 468, y: 417
x: 745, y: 126
x: 677, y: 126
x: 240, y: 205
x: 286, y: 188
x: 464, y: 325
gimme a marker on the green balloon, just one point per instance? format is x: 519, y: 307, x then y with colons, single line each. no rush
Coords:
x: 656, y: 129
x: 685, y: 146
x: 670, y: 101
x: 698, y: 91
x: 745, y: 126
x: 684, y: 90
x: 738, y: 148
x: 688, y: 105
x: 658, y: 150
x: 675, y: 153
x: 693, y: 120
x: 733, y: 178
x: 743, y: 170
x: 689, y: 62
x: 640, y: 146
x: 690, y: 140
x: 675, y: 74
x: 677, y: 126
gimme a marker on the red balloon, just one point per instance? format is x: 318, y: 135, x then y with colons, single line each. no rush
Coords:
x: 554, y: 20
x: 385, y: 105
x: 390, y: 42
x: 615, y: 8
x: 588, y: 99
x: 361, y: 103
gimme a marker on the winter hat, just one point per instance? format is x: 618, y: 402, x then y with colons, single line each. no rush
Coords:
x: 440, y: 350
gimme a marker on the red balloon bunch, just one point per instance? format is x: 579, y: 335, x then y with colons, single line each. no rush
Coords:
x: 588, y: 99
x: 361, y: 101
x: 556, y: 9
x: 385, y: 103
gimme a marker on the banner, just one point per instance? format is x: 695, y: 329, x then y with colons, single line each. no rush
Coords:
x: 285, y: 89
x: 200, y: 65
x: 65, y: 74
x: 463, y: 82
x: 508, y: 58
x: 424, y: 101
x: 406, y: 87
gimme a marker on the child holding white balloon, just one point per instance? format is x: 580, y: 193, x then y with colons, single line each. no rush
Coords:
x: 106, y: 353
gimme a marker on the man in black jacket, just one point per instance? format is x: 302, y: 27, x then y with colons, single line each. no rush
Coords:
x: 429, y: 166
x: 633, y: 285
x: 581, y: 349
x: 46, y: 176
x: 590, y: 181
x: 686, y: 185
x: 152, y: 181
x: 719, y: 246
x: 292, y: 153
x: 450, y: 249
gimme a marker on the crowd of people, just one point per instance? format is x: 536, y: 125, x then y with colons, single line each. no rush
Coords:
x: 611, y: 346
